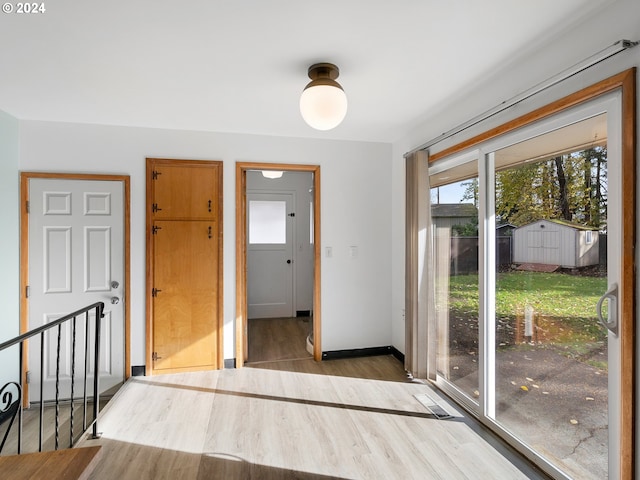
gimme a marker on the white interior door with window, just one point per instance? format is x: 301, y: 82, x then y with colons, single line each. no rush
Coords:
x: 76, y: 258
x: 535, y: 350
x: 270, y: 218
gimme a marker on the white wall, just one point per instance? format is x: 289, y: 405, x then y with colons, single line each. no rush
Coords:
x: 9, y: 245
x: 355, y: 206
x: 300, y: 184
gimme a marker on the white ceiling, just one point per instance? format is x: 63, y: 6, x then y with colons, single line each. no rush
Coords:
x: 240, y: 65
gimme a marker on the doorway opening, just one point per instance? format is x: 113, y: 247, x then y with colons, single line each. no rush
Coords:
x: 277, y: 262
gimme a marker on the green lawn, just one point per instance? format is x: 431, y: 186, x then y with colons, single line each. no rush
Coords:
x: 552, y: 294
x: 564, y: 305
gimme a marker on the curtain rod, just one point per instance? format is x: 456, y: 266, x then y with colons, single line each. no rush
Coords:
x: 589, y: 62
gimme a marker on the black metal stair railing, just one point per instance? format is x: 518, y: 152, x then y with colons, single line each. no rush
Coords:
x: 11, y: 394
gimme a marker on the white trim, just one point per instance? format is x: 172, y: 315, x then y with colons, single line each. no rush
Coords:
x: 487, y: 280
x: 448, y: 163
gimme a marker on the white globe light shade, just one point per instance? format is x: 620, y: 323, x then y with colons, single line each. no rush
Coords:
x: 323, y: 107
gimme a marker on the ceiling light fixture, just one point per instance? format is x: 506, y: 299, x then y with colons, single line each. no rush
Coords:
x: 272, y: 173
x: 323, y: 103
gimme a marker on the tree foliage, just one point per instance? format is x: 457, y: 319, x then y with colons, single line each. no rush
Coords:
x: 570, y: 187
x: 469, y: 229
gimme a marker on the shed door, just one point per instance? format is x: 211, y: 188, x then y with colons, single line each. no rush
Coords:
x: 544, y: 246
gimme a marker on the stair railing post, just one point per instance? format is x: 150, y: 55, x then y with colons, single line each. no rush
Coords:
x: 96, y: 372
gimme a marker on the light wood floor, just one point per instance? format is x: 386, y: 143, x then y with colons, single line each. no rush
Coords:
x: 344, y: 419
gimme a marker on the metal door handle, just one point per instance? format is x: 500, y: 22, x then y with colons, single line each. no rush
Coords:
x: 289, y: 261
x: 114, y: 284
x: 115, y: 300
x: 611, y: 322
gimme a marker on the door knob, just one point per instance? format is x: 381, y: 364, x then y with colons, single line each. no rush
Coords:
x: 289, y: 261
x: 114, y: 284
x: 115, y: 300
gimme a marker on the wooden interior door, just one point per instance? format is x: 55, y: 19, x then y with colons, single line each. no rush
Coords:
x: 185, y: 276
x: 184, y: 253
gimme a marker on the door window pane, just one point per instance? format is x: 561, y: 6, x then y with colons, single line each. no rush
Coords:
x: 454, y: 216
x: 551, y: 352
x: 267, y: 222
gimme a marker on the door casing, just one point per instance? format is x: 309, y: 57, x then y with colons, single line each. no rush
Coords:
x: 241, y: 254
x: 24, y: 259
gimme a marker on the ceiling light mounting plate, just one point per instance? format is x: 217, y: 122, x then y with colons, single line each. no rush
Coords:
x: 323, y: 70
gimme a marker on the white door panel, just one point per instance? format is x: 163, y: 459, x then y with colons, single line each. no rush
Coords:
x: 270, y: 255
x: 76, y: 251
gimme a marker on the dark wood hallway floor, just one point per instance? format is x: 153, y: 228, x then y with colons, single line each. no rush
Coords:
x: 277, y: 339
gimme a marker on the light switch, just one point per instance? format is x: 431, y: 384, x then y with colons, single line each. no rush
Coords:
x: 328, y: 251
x: 353, y: 251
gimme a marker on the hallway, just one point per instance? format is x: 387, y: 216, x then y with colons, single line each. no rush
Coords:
x: 275, y: 339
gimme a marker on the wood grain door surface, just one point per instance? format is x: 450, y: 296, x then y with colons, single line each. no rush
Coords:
x: 184, y: 288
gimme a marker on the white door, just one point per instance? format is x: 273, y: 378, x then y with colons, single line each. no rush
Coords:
x: 76, y: 258
x: 270, y: 219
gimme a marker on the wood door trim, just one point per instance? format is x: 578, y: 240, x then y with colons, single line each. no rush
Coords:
x: 628, y: 277
x: 150, y: 163
x: 625, y: 82
x: 241, y: 254
x: 24, y: 258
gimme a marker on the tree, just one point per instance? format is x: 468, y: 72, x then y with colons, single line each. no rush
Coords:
x: 471, y: 191
x: 518, y: 195
x: 563, y: 195
x: 469, y: 229
x: 570, y: 187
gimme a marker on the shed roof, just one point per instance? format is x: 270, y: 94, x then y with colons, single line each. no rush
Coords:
x: 564, y: 223
x: 453, y: 210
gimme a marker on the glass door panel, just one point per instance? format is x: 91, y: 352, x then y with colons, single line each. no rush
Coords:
x: 454, y: 216
x: 551, y: 352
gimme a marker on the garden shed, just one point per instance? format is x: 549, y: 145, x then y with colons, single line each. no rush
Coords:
x: 505, y: 230
x: 556, y: 242
x: 446, y: 215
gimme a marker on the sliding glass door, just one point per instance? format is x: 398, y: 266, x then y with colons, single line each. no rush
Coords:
x: 527, y: 257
